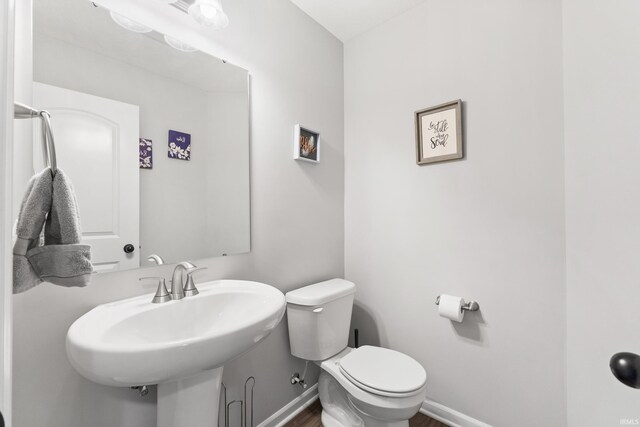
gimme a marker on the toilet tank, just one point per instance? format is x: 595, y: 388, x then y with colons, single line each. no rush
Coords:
x: 319, y: 317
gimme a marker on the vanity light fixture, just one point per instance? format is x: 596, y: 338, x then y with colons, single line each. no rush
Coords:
x: 129, y: 24
x: 205, y: 12
x: 209, y: 13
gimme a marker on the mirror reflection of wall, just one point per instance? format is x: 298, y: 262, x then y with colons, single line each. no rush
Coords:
x: 106, y: 88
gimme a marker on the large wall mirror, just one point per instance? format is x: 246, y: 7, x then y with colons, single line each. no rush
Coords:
x: 153, y: 134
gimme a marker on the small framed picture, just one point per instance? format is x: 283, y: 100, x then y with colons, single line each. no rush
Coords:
x: 306, y: 145
x: 146, y: 153
x: 179, y: 145
x: 439, y: 133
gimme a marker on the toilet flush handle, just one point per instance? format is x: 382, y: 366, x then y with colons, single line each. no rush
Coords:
x: 318, y: 310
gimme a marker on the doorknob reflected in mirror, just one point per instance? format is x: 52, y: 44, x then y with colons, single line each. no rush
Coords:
x: 129, y: 248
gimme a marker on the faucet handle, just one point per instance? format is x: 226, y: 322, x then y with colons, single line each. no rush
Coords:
x: 162, y: 295
x: 190, y: 287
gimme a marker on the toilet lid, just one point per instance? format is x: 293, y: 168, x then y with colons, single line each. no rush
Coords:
x: 384, y: 370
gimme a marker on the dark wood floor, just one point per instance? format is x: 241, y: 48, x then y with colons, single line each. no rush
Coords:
x: 310, y: 417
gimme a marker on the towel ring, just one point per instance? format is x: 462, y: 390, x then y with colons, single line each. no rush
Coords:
x: 49, y: 143
x: 22, y: 111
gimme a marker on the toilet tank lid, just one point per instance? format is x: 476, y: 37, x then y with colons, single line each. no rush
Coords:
x: 321, y: 293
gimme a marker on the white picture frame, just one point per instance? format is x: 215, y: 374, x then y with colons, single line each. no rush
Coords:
x: 306, y: 144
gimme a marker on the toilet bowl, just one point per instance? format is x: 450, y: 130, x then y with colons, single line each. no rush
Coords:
x: 368, y: 386
x: 347, y: 401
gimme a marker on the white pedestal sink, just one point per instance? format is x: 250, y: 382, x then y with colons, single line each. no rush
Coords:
x: 180, y: 345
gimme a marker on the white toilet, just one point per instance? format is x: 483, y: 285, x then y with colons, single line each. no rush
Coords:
x: 367, y: 386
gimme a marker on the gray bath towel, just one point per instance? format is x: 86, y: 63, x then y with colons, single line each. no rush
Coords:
x: 36, y: 204
x: 62, y: 260
x: 63, y: 223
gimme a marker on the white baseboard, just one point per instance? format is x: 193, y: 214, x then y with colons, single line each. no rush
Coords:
x: 291, y: 409
x: 449, y: 416
x: 430, y: 408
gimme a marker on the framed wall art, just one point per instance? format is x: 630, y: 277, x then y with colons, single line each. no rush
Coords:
x: 146, y: 153
x: 179, y: 145
x: 306, y: 145
x: 439, y: 133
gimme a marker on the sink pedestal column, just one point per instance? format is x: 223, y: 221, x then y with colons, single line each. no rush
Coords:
x: 190, y: 402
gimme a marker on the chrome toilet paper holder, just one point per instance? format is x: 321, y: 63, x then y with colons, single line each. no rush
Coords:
x: 470, y: 306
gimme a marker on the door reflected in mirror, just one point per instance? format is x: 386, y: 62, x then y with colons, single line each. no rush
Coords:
x: 154, y: 138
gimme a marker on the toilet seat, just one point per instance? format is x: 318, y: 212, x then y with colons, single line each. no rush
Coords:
x: 383, y: 372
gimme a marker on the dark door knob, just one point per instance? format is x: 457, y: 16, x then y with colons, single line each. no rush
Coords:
x: 626, y: 368
x: 129, y: 248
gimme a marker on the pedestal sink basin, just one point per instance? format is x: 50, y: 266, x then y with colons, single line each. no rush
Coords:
x: 180, y: 345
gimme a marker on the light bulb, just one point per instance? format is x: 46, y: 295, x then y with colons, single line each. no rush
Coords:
x: 180, y: 45
x: 129, y: 24
x: 209, y: 13
x: 221, y: 20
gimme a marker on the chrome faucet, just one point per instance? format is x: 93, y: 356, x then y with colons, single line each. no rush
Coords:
x: 179, y: 287
x: 155, y: 258
x: 177, y: 284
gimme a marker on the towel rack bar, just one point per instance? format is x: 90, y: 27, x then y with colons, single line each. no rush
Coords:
x: 22, y: 111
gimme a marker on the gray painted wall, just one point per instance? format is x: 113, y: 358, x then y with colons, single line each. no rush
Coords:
x: 297, y: 221
x: 489, y: 227
x: 602, y: 137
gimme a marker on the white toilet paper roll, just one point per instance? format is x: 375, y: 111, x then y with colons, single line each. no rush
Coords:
x: 451, y: 307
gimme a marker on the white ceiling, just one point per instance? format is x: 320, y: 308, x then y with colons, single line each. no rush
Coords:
x: 347, y: 19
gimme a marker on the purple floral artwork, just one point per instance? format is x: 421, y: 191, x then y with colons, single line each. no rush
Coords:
x: 146, y: 153
x: 179, y: 145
